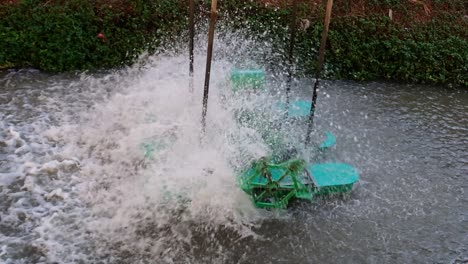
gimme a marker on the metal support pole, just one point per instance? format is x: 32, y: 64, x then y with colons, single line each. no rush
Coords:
x: 208, y: 62
x: 320, y: 61
x: 191, y: 44
x: 292, y: 38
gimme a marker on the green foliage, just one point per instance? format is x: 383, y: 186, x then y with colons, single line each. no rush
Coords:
x: 58, y: 35
x: 368, y: 48
x: 63, y: 36
x: 376, y: 48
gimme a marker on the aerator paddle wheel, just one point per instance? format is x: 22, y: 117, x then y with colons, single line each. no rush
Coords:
x: 273, y: 185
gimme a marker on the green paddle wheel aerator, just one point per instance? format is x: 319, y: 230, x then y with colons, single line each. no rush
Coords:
x: 273, y: 185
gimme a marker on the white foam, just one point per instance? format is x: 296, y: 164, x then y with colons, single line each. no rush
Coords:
x: 7, y: 178
x: 88, y: 187
x: 191, y: 180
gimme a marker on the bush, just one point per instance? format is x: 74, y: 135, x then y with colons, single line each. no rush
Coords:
x: 376, y: 48
x: 370, y: 47
x: 63, y: 35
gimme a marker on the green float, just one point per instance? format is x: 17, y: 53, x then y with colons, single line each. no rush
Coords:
x: 272, y: 184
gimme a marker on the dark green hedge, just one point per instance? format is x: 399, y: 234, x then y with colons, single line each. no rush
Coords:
x: 370, y: 47
x: 62, y: 35
x: 376, y: 48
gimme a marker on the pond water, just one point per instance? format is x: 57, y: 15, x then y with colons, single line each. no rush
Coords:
x: 75, y: 186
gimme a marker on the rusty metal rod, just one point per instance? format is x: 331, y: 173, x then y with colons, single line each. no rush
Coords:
x: 208, y: 62
x: 191, y: 43
x: 320, y: 61
x: 292, y: 39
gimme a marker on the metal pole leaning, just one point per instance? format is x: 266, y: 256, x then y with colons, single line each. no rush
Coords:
x: 208, y: 62
x: 191, y: 43
x: 291, y: 52
x: 320, y: 61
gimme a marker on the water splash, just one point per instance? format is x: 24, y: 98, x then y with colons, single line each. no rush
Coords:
x: 76, y: 187
x: 153, y: 205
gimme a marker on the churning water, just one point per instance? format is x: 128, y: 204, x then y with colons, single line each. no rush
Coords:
x: 76, y: 187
